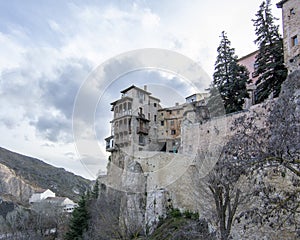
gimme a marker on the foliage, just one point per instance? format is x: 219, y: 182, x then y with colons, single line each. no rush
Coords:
x: 191, y: 215
x: 175, y: 213
x: 269, y: 61
x: 182, y: 228
x: 42, y: 221
x: 79, y: 221
x: 229, y: 77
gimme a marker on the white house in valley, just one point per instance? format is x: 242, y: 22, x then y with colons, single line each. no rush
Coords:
x: 65, y: 203
x: 40, y: 195
x: 47, y: 196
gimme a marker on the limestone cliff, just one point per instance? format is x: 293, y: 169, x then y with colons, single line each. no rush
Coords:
x: 21, y: 175
x: 154, y: 181
x: 13, y: 187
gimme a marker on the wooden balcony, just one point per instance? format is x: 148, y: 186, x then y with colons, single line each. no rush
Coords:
x: 142, y: 130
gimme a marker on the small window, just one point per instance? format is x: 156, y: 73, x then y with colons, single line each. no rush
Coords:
x: 172, y: 122
x: 173, y: 132
x: 154, y: 118
x: 155, y: 105
x: 294, y: 41
x: 162, y: 114
x: 162, y: 123
x: 292, y: 11
x: 149, y: 116
x: 178, y: 111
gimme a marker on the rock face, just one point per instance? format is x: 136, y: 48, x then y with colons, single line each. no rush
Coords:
x: 152, y: 182
x: 13, y: 186
x: 21, y: 175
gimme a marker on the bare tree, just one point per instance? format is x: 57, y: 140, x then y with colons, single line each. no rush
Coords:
x: 268, y: 143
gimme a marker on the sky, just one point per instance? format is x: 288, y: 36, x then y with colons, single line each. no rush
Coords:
x: 49, y: 49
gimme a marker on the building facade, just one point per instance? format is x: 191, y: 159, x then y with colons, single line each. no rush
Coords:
x: 134, y: 120
x: 249, y: 62
x: 291, y: 32
x: 140, y: 124
x: 40, y: 195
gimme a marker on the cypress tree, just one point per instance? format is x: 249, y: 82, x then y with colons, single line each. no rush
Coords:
x: 269, y: 61
x: 229, y: 78
x: 79, y: 221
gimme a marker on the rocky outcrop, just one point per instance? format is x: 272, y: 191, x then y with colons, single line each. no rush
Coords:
x: 21, y: 175
x: 154, y: 181
x: 13, y: 187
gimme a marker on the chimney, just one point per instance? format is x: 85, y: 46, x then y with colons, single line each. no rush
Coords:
x: 145, y: 87
x: 177, y: 104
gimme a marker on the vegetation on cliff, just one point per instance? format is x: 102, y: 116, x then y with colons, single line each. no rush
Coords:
x: 269, y: 60
x: 229, y: 78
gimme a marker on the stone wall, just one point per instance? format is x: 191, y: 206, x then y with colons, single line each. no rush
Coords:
x: 291, y: 23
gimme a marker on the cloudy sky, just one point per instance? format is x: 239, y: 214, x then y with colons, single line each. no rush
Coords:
x: 48, y: 49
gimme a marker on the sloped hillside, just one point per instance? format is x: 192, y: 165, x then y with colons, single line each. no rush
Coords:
x: 21, y: 172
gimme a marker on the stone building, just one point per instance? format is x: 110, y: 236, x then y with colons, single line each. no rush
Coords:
x: 171, y: 120
x: 134, y: 121
x: 291, y: 32
x: 249, y: 62
x: 140, y: 124
x: 169, y: 128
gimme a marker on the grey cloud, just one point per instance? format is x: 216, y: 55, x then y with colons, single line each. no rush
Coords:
x: 38, y: 97
x: 61, y: 92
x: 8, y: 122
x: 53, y: 128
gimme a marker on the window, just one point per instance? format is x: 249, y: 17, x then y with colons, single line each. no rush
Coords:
x: 178, y: 111
x: 154, y: 118
x: 294, y: 41
x: 141, y: 96
x: 162, y: 123
x: 162, y: 114
x: 154, y: 104
x: 172, y: 123
x: 149, y: 116
x: 141, y: 140
x: 173, y: 132
x: 292, y: 11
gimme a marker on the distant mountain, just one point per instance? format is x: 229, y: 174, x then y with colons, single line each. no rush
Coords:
x: 20, y: 176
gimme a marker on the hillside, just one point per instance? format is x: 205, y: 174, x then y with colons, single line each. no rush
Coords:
x: 21, y: 175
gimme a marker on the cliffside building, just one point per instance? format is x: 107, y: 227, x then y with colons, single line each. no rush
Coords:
x: 134, y: 120
x: 141, y: 124
x: 249, y: 62
x: 172, y: 118
x: 291, y: 32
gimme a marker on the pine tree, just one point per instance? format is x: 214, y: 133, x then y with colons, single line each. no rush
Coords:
x: 269, y: 62
x: 229, y: 78
x: 79, y: 221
